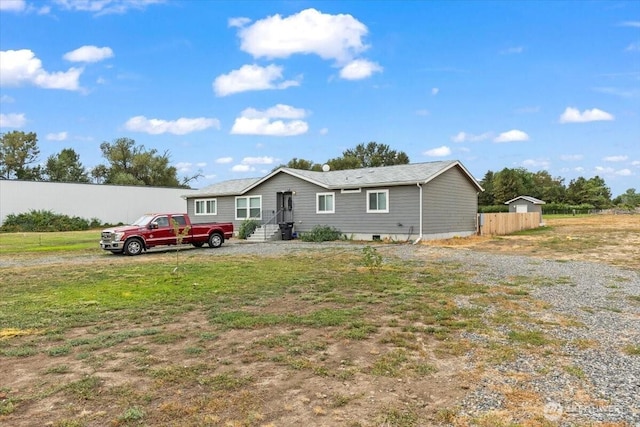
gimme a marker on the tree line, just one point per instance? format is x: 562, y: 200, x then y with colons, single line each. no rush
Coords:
x: 126, y: 164
x: 131, y: 164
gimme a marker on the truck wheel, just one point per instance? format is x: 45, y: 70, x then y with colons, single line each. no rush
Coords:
x: 198, y: 244
x: 215, y: 240
x: 133, y: 247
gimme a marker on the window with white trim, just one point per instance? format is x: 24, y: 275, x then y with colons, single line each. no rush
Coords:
x: 206, y: 207
x: 249, y: 207
x: 378, y: 201
x: 325, y: 203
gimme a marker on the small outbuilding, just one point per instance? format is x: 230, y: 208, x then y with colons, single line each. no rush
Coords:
x: 525, y: 204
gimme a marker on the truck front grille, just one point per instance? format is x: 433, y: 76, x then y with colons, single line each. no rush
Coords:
x: 106, y: 236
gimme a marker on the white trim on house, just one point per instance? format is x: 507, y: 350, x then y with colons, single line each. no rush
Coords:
x: 325, y: 210
x: 351, y: 190
x: 377, y: 209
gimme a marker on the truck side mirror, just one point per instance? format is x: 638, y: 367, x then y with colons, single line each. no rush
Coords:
x: 153, y: 225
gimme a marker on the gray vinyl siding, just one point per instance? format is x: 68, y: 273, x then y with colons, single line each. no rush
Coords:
x: 450, y: 204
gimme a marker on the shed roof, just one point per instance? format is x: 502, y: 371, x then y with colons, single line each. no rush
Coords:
x: 409, y: 174
x: 528, y: 199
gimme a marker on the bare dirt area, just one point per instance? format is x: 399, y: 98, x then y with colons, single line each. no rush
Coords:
x: 612, y: 239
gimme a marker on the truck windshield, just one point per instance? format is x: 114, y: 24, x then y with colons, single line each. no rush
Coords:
x: 143, y: 221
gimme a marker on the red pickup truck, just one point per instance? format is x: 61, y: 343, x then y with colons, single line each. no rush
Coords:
x: 158, y: 229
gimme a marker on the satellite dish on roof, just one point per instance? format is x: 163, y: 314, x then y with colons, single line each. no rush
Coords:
x: 326, y: 168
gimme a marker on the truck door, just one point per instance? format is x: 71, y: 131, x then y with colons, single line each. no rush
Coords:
x: 162, y: 234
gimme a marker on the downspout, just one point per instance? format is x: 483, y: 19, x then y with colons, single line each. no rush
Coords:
x: 420, y: 235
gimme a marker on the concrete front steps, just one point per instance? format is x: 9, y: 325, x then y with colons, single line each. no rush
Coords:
x: 265, y: 233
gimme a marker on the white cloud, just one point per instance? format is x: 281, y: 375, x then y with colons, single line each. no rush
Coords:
x: 323, y: 131
x: 512, y: 50
x: 242, y: 168
x: 211, y: 176
x: 513, y: 135
x: 256, y: 122
x: 12, y: 120
x: 635, y: 24
x: 571, y: 157
x: 633, y: 47
x: 6, y: 99
x: 536, y: 163
x: 19, y: 67
x: 573, y: 115
x: 60, y: 136
x: 13, y: 5
x: 183, y: 166
x: 89, y: 54
x: 434, y: 91
x: 624, y: 172
x: 103, y: 7
x: 201, y: 164
x: 251, y: 77
x: 224, y: 160
x: 423, y: 112
x: 280, y: 111
x: 338, y: 37
x: 438, y: 152
x: 238, y: 22
x: 615, y: 158
x: 258, y: 160
x: 359, y: 69
x: 469, y: 137
x: 180, y: 126
x: 635, y: 163
x: 604, y: 170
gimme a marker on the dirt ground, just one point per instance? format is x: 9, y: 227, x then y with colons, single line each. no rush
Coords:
x: 611, y: 239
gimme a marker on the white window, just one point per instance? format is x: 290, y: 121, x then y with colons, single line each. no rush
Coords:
x: 324, y: 203
x: 249, y: 207
x: 378, y: 201
x: 206, y: 207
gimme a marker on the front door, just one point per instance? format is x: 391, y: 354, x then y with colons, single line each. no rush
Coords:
x: 285, y: 206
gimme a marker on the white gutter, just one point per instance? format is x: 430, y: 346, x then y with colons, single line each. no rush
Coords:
x: 420, y: 236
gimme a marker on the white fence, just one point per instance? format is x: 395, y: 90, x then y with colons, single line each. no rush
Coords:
x: 111, y: 204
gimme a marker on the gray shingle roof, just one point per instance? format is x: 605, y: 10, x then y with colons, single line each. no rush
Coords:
x: 352, y: 178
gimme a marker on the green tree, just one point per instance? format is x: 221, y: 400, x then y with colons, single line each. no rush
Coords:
x: 65, y: 167
x: 303, y: 164
x: 486, y: 197
x: 508, y: 184
x: 548, y: 188
x: 593, y: 191
x: 344, y: 163
x: 374, y: 154
x: 19, y: 150
x: 629, y: 199
x: 131, y: 164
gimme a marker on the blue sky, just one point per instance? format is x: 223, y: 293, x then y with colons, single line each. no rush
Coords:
x: 232, y: 89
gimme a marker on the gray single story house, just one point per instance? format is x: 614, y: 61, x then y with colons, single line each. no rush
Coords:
x: 402, y: 202
x: 525, y: 204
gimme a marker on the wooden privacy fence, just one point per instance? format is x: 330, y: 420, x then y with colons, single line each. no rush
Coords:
x: 505, y: 223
